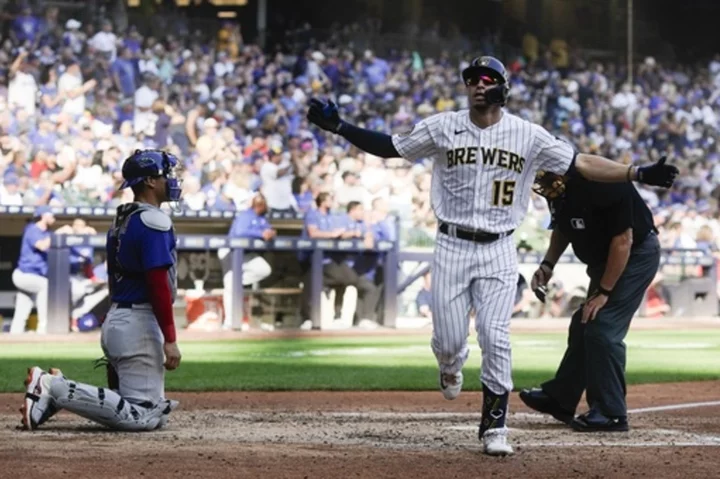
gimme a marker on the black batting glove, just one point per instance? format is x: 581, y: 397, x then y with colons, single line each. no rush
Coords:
x: 325, y: 115
x: 658, y: 174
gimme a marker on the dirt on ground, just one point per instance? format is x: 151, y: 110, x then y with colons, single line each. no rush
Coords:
x: 675, y: 432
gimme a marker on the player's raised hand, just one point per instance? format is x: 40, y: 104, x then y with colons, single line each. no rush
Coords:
x: 324, y: 114
x: 172, y: 356
x: 658, y: 174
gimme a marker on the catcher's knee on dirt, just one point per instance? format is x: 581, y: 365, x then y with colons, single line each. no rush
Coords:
x: 106, y: 407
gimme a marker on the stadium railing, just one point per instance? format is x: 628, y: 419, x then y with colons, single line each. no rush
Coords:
x: 395, y: 254
x: 59, y: 267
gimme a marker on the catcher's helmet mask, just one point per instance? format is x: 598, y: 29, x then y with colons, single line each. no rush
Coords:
x: 143, y: 164
x: 494, y: 68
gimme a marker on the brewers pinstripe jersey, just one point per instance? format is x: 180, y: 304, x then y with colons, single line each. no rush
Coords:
x: 482, y: 177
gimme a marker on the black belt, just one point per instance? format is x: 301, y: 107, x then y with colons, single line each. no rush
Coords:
x: 473, y: 235
x: 127, y: 305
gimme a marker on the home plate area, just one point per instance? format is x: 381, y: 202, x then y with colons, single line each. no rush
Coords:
x: 372, y: 429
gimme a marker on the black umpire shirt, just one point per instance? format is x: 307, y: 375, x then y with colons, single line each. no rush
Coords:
x: 590, y: 214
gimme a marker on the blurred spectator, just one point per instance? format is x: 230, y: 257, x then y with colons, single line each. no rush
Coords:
x: 30, y: 274
x: 227, y: 107
x: 350, y: 191
x: 22, y: 89
x: 657, y: 299
x: 557, y: 303
x: 523, y: 298
x: 423, y: 301
x: 251, y: 223
x: 276, y: 176
x: 321, y: 223
x: 72, y: 88
x: 363, y: 264
x: 9, y: 194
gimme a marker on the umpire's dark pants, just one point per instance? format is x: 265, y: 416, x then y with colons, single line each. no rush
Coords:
x: 595, y: 357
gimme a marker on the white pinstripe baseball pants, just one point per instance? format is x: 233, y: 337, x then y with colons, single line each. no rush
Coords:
x: 481, y: 276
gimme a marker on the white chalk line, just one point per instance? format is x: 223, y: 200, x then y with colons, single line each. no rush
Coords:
x: 624, y: 444
x: 672, y: 407
x: 461, y: 415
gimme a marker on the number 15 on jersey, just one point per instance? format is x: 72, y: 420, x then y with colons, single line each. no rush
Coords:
x: 503, y: 192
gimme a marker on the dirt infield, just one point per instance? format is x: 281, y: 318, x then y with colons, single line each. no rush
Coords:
x: 374, y: 435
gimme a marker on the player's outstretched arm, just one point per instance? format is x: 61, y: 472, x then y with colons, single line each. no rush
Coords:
x: 326, y: 116
x: 597, y: 168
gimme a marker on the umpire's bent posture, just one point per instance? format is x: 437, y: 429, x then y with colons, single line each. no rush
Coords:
x: 611, y: 230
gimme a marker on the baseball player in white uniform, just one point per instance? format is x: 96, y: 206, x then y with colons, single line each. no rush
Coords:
x: 484, y: 164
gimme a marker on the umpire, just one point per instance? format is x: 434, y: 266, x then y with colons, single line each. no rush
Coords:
x: 611, y: 230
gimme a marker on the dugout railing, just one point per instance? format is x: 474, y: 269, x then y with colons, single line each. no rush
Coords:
x: 696, y: 293
x: 59, y: 266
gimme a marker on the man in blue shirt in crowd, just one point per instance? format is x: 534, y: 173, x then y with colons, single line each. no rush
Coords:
x: 384, y: 229
x: 251, y: 223
x: 30, y: 275
x: 363, y: 263
x: 321, y: 224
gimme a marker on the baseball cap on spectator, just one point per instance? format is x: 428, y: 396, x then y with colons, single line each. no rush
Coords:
x: 72, y: 24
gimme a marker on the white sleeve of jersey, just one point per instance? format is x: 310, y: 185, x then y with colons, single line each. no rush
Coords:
x: 421, y: 141
x: 552, y: 153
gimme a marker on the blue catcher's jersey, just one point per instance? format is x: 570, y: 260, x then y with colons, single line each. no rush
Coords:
x: 141, y: 238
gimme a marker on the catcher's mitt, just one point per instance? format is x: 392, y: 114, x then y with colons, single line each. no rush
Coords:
x: 112, y: 378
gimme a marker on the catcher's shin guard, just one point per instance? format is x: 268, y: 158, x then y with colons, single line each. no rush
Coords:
x: 495, y: 408
x: 106, y: 407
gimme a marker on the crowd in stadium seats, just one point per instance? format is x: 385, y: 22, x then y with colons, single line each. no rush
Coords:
x: 76, y: 98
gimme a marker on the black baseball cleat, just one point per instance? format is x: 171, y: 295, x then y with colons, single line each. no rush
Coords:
x: 537, y: 400
x: 594, y: 421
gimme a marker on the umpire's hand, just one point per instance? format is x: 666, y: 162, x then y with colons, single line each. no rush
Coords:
x: 658, y: 174
x: 324, y: 114
x: 539, y: 282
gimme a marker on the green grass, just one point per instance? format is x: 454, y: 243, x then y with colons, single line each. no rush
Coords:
x: 394, y: 363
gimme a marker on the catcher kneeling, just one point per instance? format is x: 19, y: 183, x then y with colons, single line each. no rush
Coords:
x: 138, y: 334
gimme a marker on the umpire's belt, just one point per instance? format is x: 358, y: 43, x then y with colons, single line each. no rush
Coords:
x: 472, y: 235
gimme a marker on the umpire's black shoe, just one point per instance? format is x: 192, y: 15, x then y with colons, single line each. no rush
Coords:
x: 595, y: 421
x: 539, y: 401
